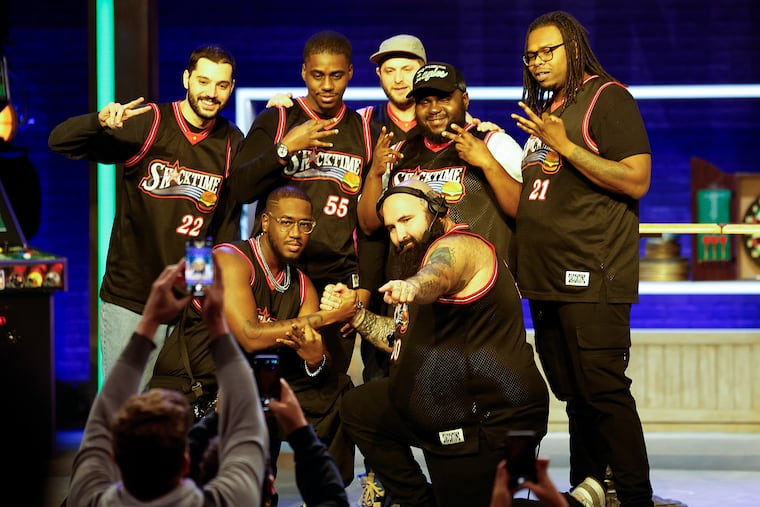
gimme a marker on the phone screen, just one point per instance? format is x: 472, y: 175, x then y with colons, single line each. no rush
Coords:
x: 199, y: 266
x: 266, y: 369
x: 521, y: 457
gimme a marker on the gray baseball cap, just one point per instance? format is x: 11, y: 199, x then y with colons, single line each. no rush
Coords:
x: 401, y: 45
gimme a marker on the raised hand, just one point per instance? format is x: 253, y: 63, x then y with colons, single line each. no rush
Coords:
x: 309, y: 134
x: 470, y: 149
x: 113, y: 115
x: 280, y: 100
x: 384, y: 157
x: 549, y: 128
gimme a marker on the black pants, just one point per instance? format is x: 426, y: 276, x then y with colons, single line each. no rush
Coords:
x: 385, y: 440
x: 584, y: 349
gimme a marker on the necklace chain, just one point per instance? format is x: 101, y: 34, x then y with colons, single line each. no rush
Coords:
x: 286, y: 279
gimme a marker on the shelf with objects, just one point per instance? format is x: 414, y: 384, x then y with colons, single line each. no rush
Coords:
x: 29, y: 277
x: 696, y: 330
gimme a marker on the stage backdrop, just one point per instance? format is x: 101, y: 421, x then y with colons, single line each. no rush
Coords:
x: 641, y: 43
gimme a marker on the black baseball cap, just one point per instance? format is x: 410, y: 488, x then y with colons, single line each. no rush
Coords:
x: 436, y: 77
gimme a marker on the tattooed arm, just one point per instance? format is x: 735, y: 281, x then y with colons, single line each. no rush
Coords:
x: 448, y: 267
x: 374, y: 328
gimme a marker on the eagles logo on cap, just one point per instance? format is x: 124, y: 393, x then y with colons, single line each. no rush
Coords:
x: 436, y: 77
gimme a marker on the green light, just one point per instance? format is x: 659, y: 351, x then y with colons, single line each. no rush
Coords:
x: 106, y: 176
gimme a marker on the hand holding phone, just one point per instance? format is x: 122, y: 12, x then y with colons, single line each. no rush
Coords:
x: 521, y: 457
x: 266, y: 370
x: 199, y: 266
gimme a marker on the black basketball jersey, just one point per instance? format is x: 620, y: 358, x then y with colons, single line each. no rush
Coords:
x: 271, y: 305
x: 277, y: 299
x: 382, y: 116
x: 173, y: 188
x: 573, y: 236
x: 461, y: 365
x: 332, y: 177
x: 467, y: 192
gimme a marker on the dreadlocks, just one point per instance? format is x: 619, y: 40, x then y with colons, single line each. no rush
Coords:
x: 580, y: 60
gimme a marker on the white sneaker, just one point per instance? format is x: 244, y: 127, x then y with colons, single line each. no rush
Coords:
x: 589, y: 493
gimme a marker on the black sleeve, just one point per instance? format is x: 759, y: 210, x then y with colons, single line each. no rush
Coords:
x: 82, y: 137
x: 317, y: 475
x: 256, y: 169
x: 617, y: 125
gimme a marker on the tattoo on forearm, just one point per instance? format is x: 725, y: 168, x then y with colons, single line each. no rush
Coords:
x: 376, y: 329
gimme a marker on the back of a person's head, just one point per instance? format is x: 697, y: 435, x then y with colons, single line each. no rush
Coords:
x: 150, y: 440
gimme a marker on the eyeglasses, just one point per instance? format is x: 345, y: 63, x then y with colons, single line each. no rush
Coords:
x: 545, y: 54
x: 286, y: 224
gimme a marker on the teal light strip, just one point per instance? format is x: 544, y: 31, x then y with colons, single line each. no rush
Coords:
x: 106, y: 177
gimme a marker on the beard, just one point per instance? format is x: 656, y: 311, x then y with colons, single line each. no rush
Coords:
x: 193, y: 101
x: 402, y: 103
x: 409, y: 255
x: 437, y: 137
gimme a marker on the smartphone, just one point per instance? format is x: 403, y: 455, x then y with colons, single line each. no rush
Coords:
x: 199, y: 266
x: 521, y: 457
x: 266, y: 370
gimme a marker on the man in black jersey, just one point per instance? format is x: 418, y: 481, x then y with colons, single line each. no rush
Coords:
x: 586, y: 165
x: 462, y: 374
x: 177, y: 160
x: 324, y: 148
x: 271, y: 307
x: 478, y: 173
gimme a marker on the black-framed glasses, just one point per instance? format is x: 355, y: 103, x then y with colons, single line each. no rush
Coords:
x: 286, y: 224
x: 545, y: 54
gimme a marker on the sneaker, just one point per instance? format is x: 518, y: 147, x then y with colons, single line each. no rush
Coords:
x: 590, y: 493
x: 373, y: 493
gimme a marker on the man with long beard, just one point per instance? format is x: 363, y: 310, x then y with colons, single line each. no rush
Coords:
x: 177, y: 159
x: 462, y: 374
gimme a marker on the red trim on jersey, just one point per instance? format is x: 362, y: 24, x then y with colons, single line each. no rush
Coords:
x: 556, y: 104
x: 587, y: 117
x: 312, y: 114
x: 242, y: 254
x: 301, y: 285
x: 282, y: 117
x: 148, y: 140
x: 439, y: 147
x: 367, y: 138
x: 461, y: 229
x: 398, y: 121
x: 260, y: 259
x: 228, y: 159
x: 366, y: 112
x: 192, y: 137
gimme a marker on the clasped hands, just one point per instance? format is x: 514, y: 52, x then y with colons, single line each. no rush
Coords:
x: 339, y: 297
